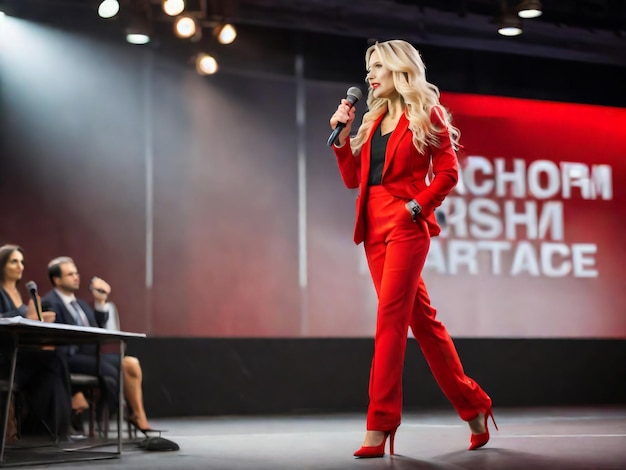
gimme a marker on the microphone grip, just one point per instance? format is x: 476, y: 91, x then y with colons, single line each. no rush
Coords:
x: 338, y: 128
x: 33, y: 294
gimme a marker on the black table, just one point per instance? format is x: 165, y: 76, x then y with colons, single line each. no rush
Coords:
x: 20, y: 332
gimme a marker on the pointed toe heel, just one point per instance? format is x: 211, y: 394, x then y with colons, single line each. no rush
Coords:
x: 132, y: 424
x: 369, y: 452
x: 479, y: 440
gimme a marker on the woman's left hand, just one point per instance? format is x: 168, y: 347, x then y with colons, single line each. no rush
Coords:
x: 48, y: 317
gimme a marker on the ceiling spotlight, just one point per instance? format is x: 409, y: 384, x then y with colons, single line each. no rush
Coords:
x: 187, y: 27
x: 206, y: 64
x: 138, y: 30
x: 529, y: 9
x: 173, y: 7
x: 139, y: 26
x: 108, y: 8
x: 225, y: 33
x: 137, y: 38
x: 510, y: 25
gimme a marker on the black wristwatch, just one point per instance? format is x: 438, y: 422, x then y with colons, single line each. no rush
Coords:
x: 414, y: 208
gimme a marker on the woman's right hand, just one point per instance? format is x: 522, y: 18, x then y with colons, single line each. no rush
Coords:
x: 345, y: 113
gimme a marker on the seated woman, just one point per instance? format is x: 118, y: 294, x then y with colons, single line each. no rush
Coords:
x: 41, y: 374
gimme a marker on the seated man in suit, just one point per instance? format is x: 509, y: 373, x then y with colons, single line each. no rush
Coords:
x: 82, y: 359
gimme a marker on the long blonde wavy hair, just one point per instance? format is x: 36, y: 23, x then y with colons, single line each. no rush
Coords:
x: 418, y: 96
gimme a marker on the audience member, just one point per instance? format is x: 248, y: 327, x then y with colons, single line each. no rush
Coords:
x: 41, y: 374
x: 82, y: 359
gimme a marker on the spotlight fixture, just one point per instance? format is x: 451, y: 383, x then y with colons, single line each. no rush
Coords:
x: 108, y: 8
x: 510, y: 25
x: 173, y: 7
x: 206, y: 64
x: 529, y: 9
x: 226, y: 33
x: 139, y: 26
x: 137, y: 38
x: 138, y: 31
x: 187, y: 27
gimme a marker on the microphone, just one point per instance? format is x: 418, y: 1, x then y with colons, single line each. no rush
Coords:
x: 353, y: 95
x: 32, y: 289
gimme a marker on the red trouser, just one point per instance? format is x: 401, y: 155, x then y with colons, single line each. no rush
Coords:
x: 396, y: 249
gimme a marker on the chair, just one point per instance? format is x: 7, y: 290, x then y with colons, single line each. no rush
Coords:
x: 92, y: 388
x: 15, y: 407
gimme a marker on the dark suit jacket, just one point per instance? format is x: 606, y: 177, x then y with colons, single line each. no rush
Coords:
x: 53, y: 302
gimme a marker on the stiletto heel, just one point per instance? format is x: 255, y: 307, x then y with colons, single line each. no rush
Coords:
x: 132, y: 421
x: 368, y: 452
x: 479, y: 440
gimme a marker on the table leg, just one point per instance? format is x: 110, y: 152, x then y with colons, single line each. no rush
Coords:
x: 120, y: 400
x: 7, y: 405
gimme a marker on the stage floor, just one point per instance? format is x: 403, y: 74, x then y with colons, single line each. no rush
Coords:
x: 535, y: 439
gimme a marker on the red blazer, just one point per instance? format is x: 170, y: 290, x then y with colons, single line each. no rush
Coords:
x: 405, y: 171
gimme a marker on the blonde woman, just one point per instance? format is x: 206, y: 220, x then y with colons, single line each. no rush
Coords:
x: 404, y: 134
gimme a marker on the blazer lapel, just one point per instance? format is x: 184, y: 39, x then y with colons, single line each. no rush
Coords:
x: 69, y: 318
x: 394, y: 140
x: 91, y: 317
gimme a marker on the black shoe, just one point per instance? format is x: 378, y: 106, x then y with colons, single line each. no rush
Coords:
x: 77, y: 427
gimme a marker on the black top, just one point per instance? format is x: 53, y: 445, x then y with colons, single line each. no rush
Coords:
x: 8, y: 308
x: 377, y: 157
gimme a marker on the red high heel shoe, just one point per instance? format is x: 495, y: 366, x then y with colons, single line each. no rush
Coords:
x: 479, y: 440
x: 368, y: 452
